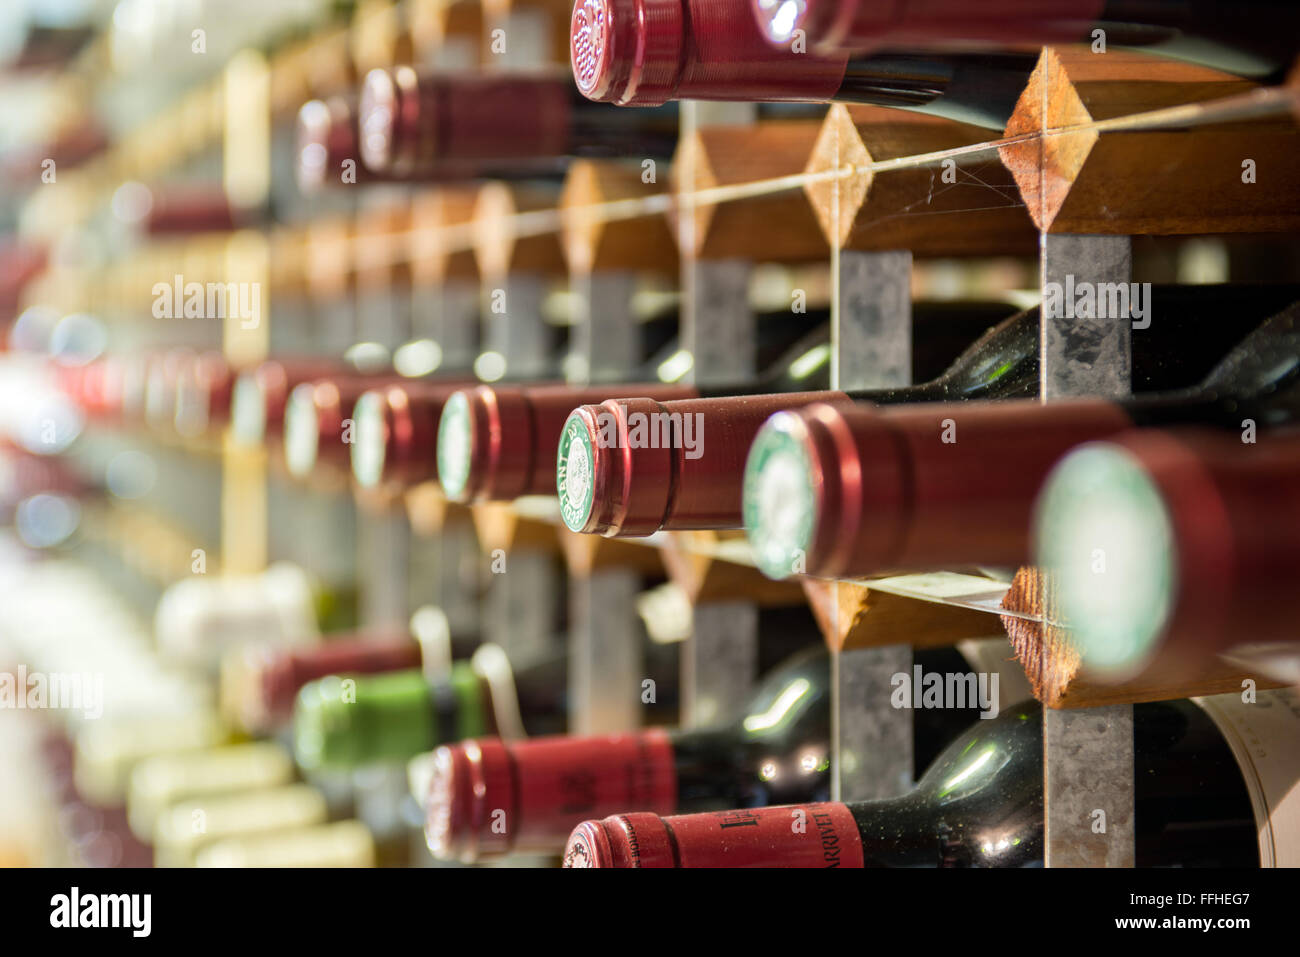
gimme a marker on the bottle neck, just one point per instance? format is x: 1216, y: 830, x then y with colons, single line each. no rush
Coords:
x: 1258, y: 381
x: 981, y: 90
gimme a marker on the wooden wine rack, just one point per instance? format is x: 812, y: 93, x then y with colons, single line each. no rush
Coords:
x: 1101, y: 149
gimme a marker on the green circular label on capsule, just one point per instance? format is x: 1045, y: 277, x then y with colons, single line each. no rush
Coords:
x: 573, y: 473
x: 779, y: 501
x: 1103, y: 535
x: 369, y: 440
x: 455, y: 445
x: 248, y: 411
x: 301, y: 435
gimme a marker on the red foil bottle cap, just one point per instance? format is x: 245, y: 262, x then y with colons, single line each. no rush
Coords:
x: 326, y: 137
x: 628, y: 489
x: 804, y: 835
x: 646, y: 52
x: 490, y: 796
x: 281, y: 674
x: 860, y: 25
x: 432, y: 123
x: 397, y: 432
x: 499, y: 442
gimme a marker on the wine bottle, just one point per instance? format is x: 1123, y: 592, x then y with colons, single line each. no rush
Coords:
x: 260, y: 394
x: 1195, y: 532
x: 776, y: 751
x: 159, y: 782
x: 341, y: 844
x: 396, y: 427
x: 260, y: 683
x: 314, y: 419
x: 417, y: 124
x: 203, y: 395
x: 395, y: 715
x: 636, y: 483
x: 850, y: 489
x: 644, y: 54
x: 258, y: 812
x: 497, y: 445
x: 980, y: 804
x: 1256, y: 38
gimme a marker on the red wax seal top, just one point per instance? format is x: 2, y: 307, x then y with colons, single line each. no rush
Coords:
x: 803, y: 835
x: 646, y: 52
x: 490, y: 796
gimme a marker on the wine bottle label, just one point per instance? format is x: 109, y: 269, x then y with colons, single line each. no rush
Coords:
x: 1262, y: 735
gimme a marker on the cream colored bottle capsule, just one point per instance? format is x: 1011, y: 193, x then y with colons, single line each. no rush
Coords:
x: 343, y: 844
x: 186, y: 828
x: 159, y: 783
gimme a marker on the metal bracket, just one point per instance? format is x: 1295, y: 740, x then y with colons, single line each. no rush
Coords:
x: 605, y: 345
x: 519, y: 333
x: 606, y: 652
x: 871, y: 741
x: 1087, y: 754
x: 721, y: 661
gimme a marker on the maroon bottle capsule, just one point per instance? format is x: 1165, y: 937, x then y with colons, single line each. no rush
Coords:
x: 837, y: 26
x: 810, y: 835
x: 1168, y: 547
x: 849, y: 489
x: 396, y: 433
x: 645, y: 52
x: 203, y: 395
x: 318, y: 422
x: 327, y: 138
x: 634, y: 466
x: 260, y: 395
x: 189, y: 210
x: 422, y: 124
x: 491, y: 797
x: 498, y: 442
x: 1253, y: 38
x: 276, y: 676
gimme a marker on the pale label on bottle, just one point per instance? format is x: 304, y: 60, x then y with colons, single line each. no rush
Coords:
x: 1262, y: 735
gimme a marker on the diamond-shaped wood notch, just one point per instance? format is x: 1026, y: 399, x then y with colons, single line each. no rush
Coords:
x: 694, y: 565
x: 853, y: 615
x: 753, y: 222
x: 1057, y: 672
x: 1045, y: 164
x: 595, y: 241
x: 836, y: 201
x: 1093, y: 149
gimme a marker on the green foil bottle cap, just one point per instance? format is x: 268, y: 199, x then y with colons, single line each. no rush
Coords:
x: 779, y: 498
x: 343, y: 722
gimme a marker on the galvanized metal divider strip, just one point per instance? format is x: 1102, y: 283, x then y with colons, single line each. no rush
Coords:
x: 871, y: 741
x: 1088, y: 753
x: 720, y: 665
x: 606, y: 638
